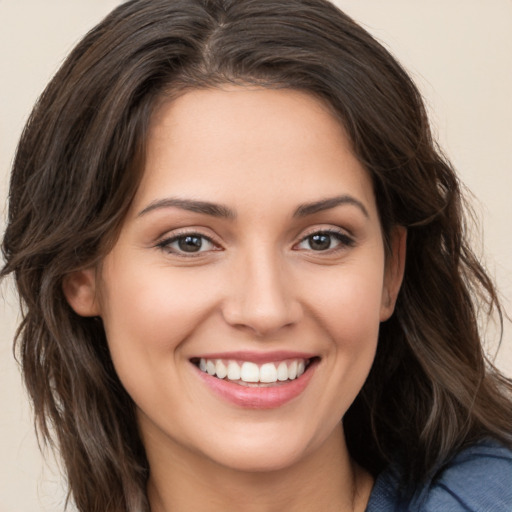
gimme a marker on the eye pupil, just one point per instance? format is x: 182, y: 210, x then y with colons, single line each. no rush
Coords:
x: 190, y: 243
x: 320, y: 242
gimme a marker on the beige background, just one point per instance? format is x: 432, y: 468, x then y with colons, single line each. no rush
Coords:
x: 460, y: 53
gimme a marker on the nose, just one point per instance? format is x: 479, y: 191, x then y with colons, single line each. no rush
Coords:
x: 261, y: 296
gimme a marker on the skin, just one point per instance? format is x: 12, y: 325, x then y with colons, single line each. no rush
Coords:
x: 259, y: 285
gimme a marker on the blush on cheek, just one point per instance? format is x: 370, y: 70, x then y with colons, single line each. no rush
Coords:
x: 352, y: 320
x: 159, y: 312
x: 353, y: 298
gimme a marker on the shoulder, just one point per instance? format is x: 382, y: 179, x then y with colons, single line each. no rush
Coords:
x: 477, y: 479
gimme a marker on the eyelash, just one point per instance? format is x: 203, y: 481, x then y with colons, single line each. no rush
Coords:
x: 165, y: 245
x: 344, y: 241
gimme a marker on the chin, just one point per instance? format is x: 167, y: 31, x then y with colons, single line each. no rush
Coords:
x: 249, y: 460
x: 270, y: 449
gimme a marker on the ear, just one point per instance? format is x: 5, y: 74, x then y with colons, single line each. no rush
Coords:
x: 394, y: 272
x: 79, y: 288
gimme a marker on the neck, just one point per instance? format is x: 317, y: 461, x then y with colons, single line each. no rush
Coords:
x: 327, y: 480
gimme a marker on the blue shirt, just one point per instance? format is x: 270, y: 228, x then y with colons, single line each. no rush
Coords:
x: 478, y: 479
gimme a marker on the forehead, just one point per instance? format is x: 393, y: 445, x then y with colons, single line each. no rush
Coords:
x: 241, y: 145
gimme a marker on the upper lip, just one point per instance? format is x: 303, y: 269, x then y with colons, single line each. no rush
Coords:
x: 256, y: 356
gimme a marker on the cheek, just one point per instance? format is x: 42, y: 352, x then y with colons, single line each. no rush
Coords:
x: 348, y: 311
x: 348, y: 301
x: 352, y: 320
x: 151, y: 311
x: 345, y: 304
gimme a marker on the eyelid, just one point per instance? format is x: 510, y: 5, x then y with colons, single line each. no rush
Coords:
x: 344, y: 237
x: 168, y: 238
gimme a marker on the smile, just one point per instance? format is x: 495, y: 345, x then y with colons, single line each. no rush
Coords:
x: 250, y: 373
x: 256, y: 380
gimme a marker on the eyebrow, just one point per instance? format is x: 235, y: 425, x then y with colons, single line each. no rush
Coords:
x: 219, y: 210
x: 205, y: 207
x: 326, y: 204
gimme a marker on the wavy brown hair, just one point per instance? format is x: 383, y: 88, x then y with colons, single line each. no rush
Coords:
x: 78, y: 164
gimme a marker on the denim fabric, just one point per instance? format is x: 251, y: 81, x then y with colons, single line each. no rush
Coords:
x: 478, y: 479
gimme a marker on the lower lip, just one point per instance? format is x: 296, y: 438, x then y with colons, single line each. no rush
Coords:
x: 254, y: 397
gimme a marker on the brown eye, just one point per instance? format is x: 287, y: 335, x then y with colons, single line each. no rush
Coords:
x: 188, y: 244
x: 320, y: 242
x: 325, y: 241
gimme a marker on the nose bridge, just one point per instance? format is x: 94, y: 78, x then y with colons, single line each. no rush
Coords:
x: 261, y: 296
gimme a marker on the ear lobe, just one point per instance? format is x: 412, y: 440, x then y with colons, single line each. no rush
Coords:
x: 79, y: 288
x: 394, y: 272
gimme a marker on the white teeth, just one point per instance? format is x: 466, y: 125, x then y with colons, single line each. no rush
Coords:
x: 250, y: 372
x: 233, y: 371
x: 268, y: 373
x: 210, y: 367
x: 292, y: 370
x: 283, y: 372
x: 220, y: 369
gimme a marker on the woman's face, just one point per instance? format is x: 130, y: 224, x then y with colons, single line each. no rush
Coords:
x: 243, y: 298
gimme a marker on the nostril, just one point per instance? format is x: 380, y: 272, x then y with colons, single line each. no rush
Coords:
x: 262, y: 319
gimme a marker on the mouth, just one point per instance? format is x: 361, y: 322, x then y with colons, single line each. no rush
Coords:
x: 256, y: 380
x: 252, y: 374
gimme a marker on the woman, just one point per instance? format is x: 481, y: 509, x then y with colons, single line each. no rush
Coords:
x: 245, y: 278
